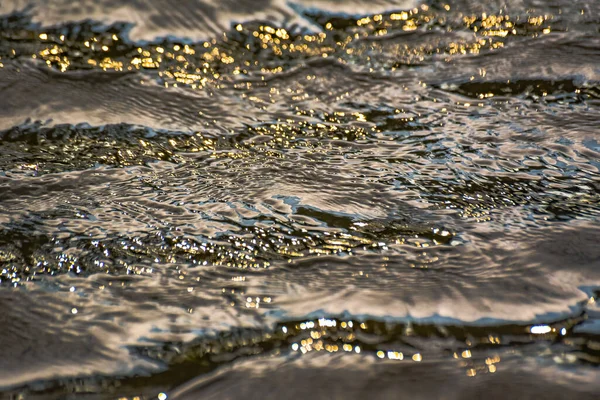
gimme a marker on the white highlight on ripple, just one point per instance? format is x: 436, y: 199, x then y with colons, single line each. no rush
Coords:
x: 540, y: 329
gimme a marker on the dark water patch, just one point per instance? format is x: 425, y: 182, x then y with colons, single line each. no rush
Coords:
x: 475, y: 350
x: 261, y: 48
x: 538, y: 90
x: 254, y: 244
x: 41, y: 149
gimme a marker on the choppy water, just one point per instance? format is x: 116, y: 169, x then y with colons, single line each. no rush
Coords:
x: 308, y: 199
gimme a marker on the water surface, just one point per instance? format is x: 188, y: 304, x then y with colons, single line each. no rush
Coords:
x: 309, y: 199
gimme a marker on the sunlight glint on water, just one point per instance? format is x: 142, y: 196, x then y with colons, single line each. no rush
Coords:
x: 299, y: 200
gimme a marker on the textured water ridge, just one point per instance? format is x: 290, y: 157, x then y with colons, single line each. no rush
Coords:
x: 299, y: 199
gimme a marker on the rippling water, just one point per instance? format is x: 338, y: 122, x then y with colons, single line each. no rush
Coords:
x: 308, y: 199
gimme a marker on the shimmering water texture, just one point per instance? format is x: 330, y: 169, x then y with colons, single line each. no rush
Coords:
x: 293, y: 200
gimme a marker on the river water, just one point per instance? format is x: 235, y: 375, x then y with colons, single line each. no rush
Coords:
x: 305, y: 199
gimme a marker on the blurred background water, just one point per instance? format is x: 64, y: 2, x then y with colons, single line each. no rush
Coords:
x: 303, y: 199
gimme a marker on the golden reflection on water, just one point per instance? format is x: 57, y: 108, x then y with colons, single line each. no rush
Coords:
x: 244, y: 60
x: 198, y: 65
